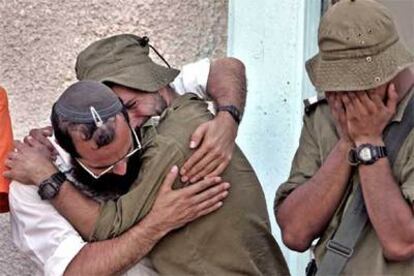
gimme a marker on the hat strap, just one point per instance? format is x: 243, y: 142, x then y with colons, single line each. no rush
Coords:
x: 159, y: 55
x: 144, y: 41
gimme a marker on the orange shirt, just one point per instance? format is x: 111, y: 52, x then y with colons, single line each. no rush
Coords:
x: 6, y: 145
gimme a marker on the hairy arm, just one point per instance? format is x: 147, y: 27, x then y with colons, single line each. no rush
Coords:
x: 172, y: 209
x: 226, y: 82
x: 306, y: 211
x: 391, y: 216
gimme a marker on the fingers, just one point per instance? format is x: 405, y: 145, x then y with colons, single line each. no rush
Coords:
x: 13, y: 155
x: 19, y: 146
x: 202, y: 185
x: 367, y: 103
x: 211, y: 193
x: 209, y: 210
x: 40, y: 135
x: 195, y: 141
x: 8, y: 174
x: 206, y: 170
x: 195, y: 173
x: 198, y: 135
x: 392, y: 98
x: 219, y: 170
x: 194, y: 159
x: 8, y: 163
x: 358, y: 106
x: 169, y: 179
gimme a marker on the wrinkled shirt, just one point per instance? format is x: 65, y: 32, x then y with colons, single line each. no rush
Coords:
x: 45, y: 236
x: 317, y: 140
x: 234, y: 240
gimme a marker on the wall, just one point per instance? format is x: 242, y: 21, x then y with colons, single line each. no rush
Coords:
x: 274, y: 38
x: 40, y: 40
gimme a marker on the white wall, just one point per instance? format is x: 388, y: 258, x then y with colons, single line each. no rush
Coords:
x: 273, y: 38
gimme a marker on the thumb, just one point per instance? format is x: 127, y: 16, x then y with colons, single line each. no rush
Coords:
x: 392, y: 98
x: 169, y: 179
x: 198, y: 135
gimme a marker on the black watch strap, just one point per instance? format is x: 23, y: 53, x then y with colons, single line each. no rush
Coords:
x: 356, y: 155
x: 50, y: 187
x: 233, y: 110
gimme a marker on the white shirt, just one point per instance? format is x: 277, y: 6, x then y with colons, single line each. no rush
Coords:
x: 47, y: 237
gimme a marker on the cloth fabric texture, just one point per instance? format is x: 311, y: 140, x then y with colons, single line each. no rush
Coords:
x: 6, y: 145
x: 123, y: 59
x: 46, y: 237
x: 235, y: 240
x: 359, y: 48
x: 84, y: 100
x: 317, y: 140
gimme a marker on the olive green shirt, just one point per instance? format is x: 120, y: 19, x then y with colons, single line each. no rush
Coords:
x: 235, y: 240
x: 317, y: 140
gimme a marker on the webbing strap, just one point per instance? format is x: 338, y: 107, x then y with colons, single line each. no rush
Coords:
x: 340, y: 248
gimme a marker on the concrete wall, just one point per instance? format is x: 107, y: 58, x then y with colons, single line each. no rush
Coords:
x: 274, y: 38
x: 40, y: 40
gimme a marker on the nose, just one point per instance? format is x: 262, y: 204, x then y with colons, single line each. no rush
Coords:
x: 120, y: 168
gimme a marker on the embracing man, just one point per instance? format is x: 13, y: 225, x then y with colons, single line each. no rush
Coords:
x: 352, y: 179
x: 237, y: 240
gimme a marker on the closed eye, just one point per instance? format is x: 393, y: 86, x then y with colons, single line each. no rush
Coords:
x: 130, y: 104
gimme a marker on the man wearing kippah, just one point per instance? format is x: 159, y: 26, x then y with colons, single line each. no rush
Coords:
x: 56, y: 247
x: 233, y: 241
x: 351, y: 183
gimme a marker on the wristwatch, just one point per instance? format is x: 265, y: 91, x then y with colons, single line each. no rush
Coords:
x: 50, y: 187
x: 233, y: 110
x: 366, y: 154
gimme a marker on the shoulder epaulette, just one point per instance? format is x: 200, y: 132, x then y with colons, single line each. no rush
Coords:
x: 312, y: 102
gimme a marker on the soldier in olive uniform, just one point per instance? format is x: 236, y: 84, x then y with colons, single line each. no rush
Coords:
x: 363, y: 71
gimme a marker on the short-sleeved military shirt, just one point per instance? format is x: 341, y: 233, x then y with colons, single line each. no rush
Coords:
x: 317, y: 140
x: 234, y: 240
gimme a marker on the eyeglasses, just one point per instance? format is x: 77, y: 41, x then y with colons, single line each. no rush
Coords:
x: 109, y: 168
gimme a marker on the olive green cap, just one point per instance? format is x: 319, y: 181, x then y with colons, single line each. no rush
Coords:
x: 359, y: 48
x: 123, y: 59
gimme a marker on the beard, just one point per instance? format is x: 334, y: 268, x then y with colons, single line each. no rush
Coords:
x: 109, y: 185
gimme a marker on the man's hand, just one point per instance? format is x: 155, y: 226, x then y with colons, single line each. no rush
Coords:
x: 338, y: 112
x: 29, y: 164
x: 217, y: 138
x: 368, y: 115
x: 40, y: 135
x: 175, y: 208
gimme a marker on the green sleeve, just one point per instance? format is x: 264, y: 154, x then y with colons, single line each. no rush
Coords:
x: 118, y: 216
x: 305, y: 164
x: 406, y: 172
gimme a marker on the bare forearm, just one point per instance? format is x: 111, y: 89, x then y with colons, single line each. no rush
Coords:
x: 115, y: 256
x: 227, y: 82
x: 79, y: 210
x: 389, y: 213
x: 304, y: 214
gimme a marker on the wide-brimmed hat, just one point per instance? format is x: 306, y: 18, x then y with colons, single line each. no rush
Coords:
x: 359, y: 48
x: 123, y: 59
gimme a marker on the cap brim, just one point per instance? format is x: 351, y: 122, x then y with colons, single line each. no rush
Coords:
x: 359, y: 73
x: 149, y: 77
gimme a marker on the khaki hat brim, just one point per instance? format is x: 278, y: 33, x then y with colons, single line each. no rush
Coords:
x: 147, y: 77
x: 359, y: 73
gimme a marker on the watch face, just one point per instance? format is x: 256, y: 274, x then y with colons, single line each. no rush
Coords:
x: 365, y: 154
x: 48, y: 191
